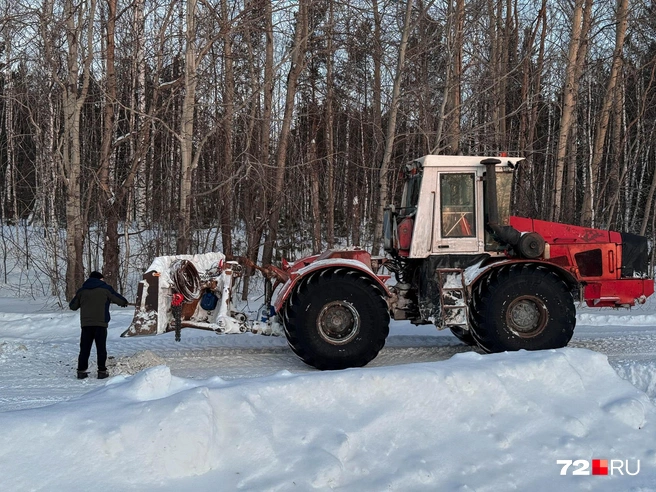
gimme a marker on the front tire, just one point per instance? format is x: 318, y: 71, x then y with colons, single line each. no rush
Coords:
x: 336, y: 319
x: 464, y: 336
x: 526, y: 307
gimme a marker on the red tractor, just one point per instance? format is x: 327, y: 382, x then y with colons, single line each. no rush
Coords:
x: 460, y: 261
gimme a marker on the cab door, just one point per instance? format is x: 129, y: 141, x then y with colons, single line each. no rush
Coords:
x: 456, y: 217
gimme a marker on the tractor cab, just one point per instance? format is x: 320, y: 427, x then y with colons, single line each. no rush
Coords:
x: 445, y: 206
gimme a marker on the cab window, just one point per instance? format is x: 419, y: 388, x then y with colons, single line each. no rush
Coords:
x: 457, y: 205
x: 411, y: 195
x: 504, y: 198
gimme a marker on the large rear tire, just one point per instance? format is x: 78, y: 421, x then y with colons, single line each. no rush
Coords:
x: 336, y: 319
x: 523, y: 306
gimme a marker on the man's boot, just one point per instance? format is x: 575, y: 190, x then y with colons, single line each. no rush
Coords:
x: 103, y: 374
x: 82, y: 374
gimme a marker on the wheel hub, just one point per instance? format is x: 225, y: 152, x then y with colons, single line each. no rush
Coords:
x: 527, y: 316
x: 338, y: 322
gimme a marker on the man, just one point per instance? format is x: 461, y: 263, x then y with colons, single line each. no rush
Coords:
x: 94, y: 298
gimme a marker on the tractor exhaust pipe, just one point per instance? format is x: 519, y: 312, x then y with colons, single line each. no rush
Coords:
x: 503, y: 234
x: 491, y: 191
x: 529, y: 245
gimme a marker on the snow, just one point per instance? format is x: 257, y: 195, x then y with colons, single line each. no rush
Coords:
x: 241, y: 412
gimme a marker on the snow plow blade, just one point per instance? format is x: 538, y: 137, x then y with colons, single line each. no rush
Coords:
x: 193, y: 291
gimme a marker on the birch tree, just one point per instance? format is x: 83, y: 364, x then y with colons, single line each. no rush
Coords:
x: 391, y: 132
x: 78, y: 21
x: 297, y: 65
x: 189, y: 155
x: 329, y: 115
x: 227, y: 195
x: 110, y: 251
x: 575, y: 60
x: 592, y: 190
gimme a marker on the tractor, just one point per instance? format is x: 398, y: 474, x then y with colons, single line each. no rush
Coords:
x: 459, y: 260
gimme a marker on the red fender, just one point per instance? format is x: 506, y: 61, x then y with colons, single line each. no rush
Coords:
x: 358, y: 260
x: 475, y: 273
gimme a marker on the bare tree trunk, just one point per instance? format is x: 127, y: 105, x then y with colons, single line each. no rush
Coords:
x: 48, y: 170
x: 189, y: 156
x: 507, y: 39
x: 10, y: 212
x: 297, y: 66
x: 227, y: 191
x: 379, y: 137
x: 611, y: 191
x: 378, y: 144
x: 314, y: 180
x: 532, y: 124
x: 138, y: 120
x: 110, y: 251
x: 591, y: 191
x: 74, y: 98
x: 497, y: 48
x: 257, y: 219
x: 357, y: 217
x: 530, y: 95
x: 391, y: 133
x: 454, y: 99
x: 187, y: 131
x: 569, y: 105
x: 569, y: 198
x: 649, y: 205
x: 330, y: 144
x: 568, y: 201
x: 138, y: 155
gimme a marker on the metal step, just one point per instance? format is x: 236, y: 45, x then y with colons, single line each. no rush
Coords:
x: 453, y: 297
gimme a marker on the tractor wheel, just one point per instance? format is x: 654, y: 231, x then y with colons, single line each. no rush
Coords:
x: 523, y: 307
x: 464, y: 336
x: 336, y: 319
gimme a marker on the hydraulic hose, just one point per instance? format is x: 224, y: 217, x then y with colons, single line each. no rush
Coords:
x: 186, y: 279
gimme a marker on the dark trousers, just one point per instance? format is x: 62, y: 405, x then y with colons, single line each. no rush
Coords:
x: 89, y: 335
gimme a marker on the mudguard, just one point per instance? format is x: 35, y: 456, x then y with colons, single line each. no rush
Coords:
x: 356, y: 259
x: 476, y: 272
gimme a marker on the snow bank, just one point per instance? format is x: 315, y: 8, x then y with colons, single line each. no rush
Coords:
x: 494, y: 422
x: 640, y: 373
x: 616, y: 317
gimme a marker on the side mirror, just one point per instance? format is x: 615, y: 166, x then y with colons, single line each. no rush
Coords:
x: 389, y: 229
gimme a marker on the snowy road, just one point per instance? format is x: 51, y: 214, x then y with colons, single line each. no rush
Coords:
x: 38, y: 351
x: 621, y: 335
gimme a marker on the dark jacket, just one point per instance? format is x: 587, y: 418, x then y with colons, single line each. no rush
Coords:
x: 94, y: 298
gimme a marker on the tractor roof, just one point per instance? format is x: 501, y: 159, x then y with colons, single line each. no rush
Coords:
x: 463, y: 160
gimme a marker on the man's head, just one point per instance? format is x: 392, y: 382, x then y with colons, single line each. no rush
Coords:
x: 97, y: 275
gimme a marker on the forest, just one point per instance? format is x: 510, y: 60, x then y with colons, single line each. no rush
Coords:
x: 274, y: 128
